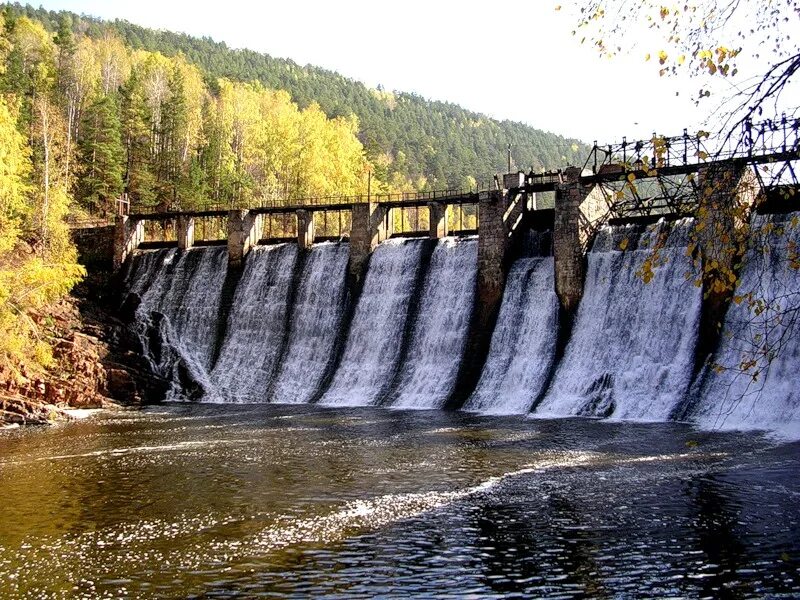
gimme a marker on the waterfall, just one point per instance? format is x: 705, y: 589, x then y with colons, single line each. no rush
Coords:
x: 374, y: 342
x: 632, y: 350
x: 143, y: 270
x: 315, y: 325
x: 256, y: 326
x: 439, y: 336
x: 761, y: 325
x: 177, y: 314
x: 523, y: 345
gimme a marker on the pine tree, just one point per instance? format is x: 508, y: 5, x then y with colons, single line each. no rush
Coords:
x: 173, y: 128
x: 102, y: 154
x: 140, y: 183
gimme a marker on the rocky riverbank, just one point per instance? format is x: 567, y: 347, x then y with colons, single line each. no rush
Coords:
x: 95, y: 363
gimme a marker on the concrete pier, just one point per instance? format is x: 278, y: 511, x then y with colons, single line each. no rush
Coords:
x: 570, y: 268
x: 726, y: 195
x: 185, y: 231
x: 305, y: 229
x: 493, y: 243
x: 437, y: 212
x: 370, y: 225
x: 128, y: 234
x: 497, y: 215
x: 244, y: 232
x: 577, y: 209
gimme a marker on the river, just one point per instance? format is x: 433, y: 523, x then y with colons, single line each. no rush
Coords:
x: 186, y: 500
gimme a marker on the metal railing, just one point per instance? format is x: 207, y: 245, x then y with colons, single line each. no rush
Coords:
x: 292, y: 203
x: 752, y: 141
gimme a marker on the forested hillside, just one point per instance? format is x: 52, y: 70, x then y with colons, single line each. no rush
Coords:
x: 91, y: 110
x: 412, y: 143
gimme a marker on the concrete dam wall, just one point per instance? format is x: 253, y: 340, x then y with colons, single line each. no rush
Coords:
x: 295, y: 326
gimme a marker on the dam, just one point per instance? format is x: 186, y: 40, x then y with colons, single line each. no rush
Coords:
x: 538, y: 390
x: 593, y: 307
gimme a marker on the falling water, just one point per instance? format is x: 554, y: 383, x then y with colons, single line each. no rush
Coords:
x: 144, y: 268
x: 256, y: 326
x: 439, y: 336
x: 374, y: 343
x: 315, y: 325
x: 176, y: 318
x: 523, y: 344
x: 632, y: 350
x: 760, y: 328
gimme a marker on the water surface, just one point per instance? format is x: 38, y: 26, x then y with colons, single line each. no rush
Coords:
x: 227, y: 500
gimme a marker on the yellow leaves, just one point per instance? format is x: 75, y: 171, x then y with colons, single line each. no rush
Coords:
x: 34, y: 45
x: 748, y: 364
x: 647, y: 57
x: 719, y: 286
x: 681, y: 59
x: 275, y: 145
x: 646, y: 272
x: 623, y: 244
x: 15, y: 166
x: 662, y: 57
x: 717, y: 60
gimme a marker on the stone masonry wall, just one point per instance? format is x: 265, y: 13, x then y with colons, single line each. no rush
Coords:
x: 567, y: 247
x: 368, y: 229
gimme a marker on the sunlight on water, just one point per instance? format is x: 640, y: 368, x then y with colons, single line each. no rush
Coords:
x: 188, y: 499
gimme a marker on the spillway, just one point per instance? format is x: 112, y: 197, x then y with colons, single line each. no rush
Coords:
x: 291, y: 334
x: 176, y: 318
x: 144, y: 269
x: 315, y: 324
x: 757, y: 325
x: 523, y: 345
x: 632, y: 350
x: 439, y: 335
x: 256, y: 326
x: 374, y: 343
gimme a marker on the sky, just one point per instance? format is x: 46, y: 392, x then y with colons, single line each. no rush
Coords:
x: 510, y: 59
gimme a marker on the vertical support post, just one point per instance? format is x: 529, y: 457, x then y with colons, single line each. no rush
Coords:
x: 244, y: 232
x: 185, y: 232
x: 726, y: 194
x: 493, y: 245
x: 370, y: 225
x: 437, y: 219
x: 128, y: 235
x: 305, y: 229
x: 567, y: 248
